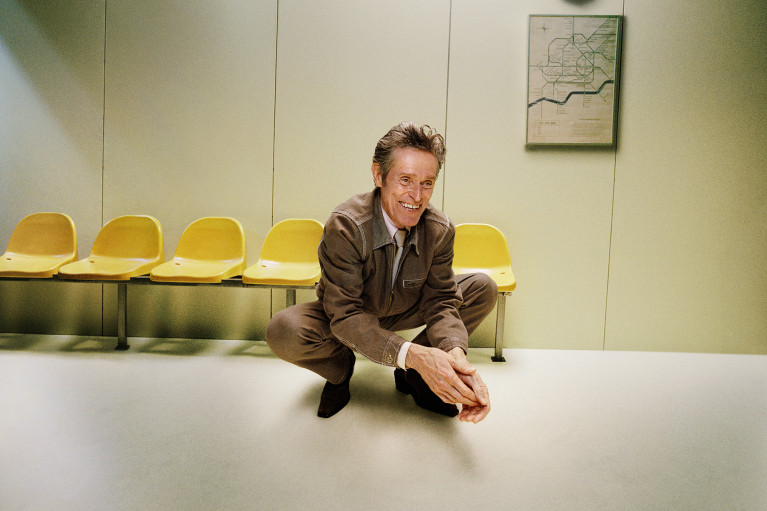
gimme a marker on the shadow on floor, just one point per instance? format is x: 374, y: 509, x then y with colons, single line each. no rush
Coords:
x: 252, y: 349
x: 87, y: 344
x: 179, y: 347
x: 17, y: 342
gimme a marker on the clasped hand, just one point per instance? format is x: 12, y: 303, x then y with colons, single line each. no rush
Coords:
x: 450, y: 376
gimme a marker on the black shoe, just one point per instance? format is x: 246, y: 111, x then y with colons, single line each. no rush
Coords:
x: 336, y: 396
x: 410, y: 382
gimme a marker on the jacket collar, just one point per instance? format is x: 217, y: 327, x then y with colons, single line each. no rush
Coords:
x: 381, y: 233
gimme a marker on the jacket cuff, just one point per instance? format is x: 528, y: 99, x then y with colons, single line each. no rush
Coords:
x: 449, y: 344
x: 392, y: 349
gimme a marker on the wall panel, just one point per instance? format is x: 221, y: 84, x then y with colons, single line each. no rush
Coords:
x: 189, y: 133
x: 51, y: 109
x: 690, y: 225
x: 347, y: 72
x: 553, y: 204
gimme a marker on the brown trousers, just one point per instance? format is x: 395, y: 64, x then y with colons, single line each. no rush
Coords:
x: 301, y: 334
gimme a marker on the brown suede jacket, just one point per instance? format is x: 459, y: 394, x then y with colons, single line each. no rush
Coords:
x: 356, y: 255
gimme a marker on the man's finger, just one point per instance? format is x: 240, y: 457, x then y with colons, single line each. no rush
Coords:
x: 450, y: 389
x: 473, y: 414
x: 462, y: 365
x: 474, y: 381
x: 480, y: 389
x: 459, y: 392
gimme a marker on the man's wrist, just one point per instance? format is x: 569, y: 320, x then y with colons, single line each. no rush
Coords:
x: 402, y: 354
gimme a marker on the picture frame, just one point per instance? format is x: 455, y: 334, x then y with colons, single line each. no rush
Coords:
x: 573, y: 79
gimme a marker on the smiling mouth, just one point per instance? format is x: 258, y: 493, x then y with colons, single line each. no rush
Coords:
x: 410, y: 207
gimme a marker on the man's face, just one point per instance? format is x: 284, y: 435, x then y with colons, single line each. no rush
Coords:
x: 408, y: 186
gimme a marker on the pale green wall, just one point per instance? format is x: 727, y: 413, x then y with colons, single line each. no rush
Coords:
x: 265, y: 110
x: 689, y: 250
x: 51, y: 112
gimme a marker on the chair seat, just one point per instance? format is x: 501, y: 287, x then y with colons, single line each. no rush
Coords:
x: 126, y: 247
x: 482, y: 248
x: 39, y: 245
x: 289, y: 255
x: 272, y: 273
x: 32, y: 266
x: 180, y: 269
x: 97, y: 267
x: 503, y: 277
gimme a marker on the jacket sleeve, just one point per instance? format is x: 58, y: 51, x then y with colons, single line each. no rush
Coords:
x: 441, y: 299
x: 342, y: 254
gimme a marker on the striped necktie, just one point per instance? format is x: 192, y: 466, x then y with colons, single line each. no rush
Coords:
x: 399, y: 239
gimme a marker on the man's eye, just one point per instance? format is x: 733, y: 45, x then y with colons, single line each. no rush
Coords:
x: 404, y: 181
x: 427, y: 184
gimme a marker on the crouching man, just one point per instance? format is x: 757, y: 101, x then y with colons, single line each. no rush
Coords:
x: 386, y: 259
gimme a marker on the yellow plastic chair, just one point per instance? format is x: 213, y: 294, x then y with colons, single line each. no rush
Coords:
x: 289, y: 255
x: 482, y: 248
x: 40, y: 244
x: 210, y: 249
x: 126, y: 247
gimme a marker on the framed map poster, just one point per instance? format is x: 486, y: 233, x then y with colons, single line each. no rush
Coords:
x: 572, y: 86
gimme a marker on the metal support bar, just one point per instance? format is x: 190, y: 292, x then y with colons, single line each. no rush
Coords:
x: 122, y: 295
x: 122, y: 316
x: 290, y: 297
x: 499, y: 325
x: 290, y: 300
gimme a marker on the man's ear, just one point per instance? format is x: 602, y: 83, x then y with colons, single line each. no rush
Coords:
x: 377, y: 178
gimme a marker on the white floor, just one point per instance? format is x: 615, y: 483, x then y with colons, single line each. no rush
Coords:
x: 182, y: 424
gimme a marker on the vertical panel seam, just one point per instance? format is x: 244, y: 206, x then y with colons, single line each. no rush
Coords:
x: 274, y: 103
x: 103, y: 141
x: 447, y: 91
x: 274, y: 125
x: 609, y: 251
x: 612, y: 219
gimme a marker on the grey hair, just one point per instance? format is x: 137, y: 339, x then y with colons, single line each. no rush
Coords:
x: 409, y: 134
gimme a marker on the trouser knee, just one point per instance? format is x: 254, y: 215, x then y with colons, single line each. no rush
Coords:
x: 279, y: 334
x: 489, y: 291
x: 480, y: 292
x: 301, y: 335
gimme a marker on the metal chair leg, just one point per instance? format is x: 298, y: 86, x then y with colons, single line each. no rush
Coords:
x: 499, y: 325
x: 290, y: 297
x: 122, y: 317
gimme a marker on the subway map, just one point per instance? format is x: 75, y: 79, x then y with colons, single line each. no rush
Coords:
x: 572, y: 77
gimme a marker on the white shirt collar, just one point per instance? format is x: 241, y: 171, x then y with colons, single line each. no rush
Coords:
x: 389, y: 224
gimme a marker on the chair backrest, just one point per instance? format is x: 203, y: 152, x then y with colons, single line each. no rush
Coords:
x: 294, y: 240
x: 50, y: 234
x: 212, y: 239
x: 480, y: 246
x: 130, y: 237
